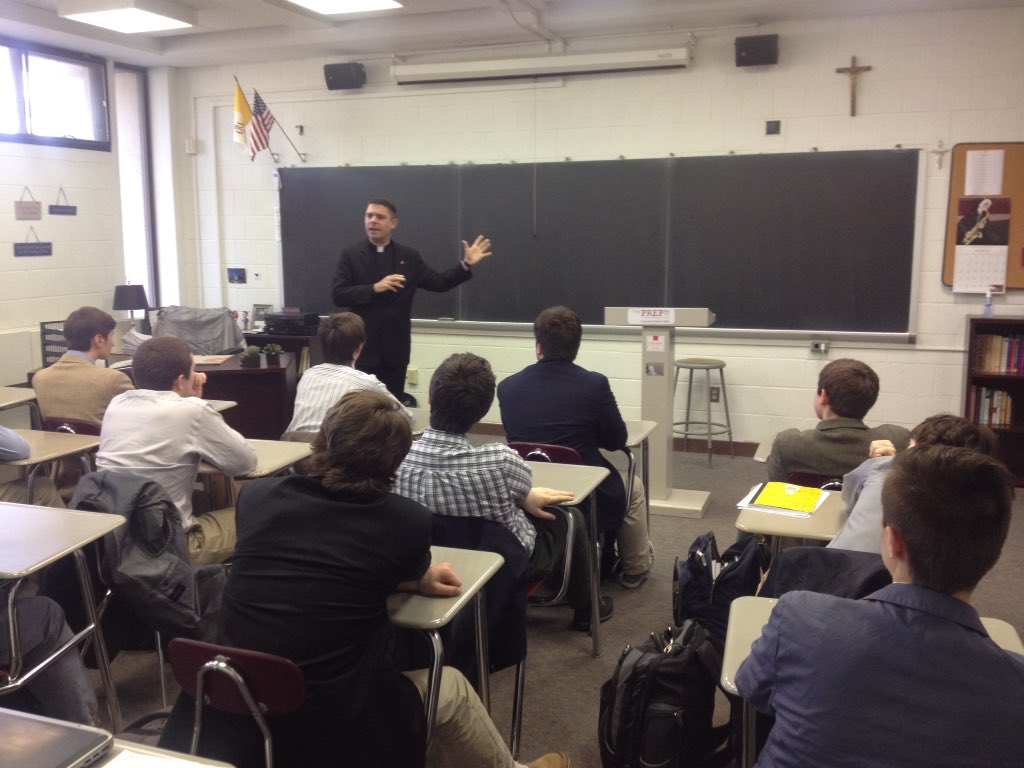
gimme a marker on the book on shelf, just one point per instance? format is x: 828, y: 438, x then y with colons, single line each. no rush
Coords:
x: 991, y: 407
x: 784, y: 499
x: 994, y: 353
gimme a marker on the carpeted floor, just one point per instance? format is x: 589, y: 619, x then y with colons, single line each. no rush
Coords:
x: 563, y: 681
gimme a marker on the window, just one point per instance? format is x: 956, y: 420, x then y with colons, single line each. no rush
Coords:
x: 130, y: 114
x: 51, y: 96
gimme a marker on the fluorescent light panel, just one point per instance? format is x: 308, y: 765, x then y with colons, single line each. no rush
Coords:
x: 128, y: 16
x: 331, y: 7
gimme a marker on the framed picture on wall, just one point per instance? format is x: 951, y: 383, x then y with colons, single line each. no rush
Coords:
x: 259, y: 314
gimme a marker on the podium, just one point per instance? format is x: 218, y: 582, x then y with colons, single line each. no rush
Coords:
x: 657, y: 379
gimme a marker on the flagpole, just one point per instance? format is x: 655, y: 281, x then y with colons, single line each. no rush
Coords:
x: 302, y: 155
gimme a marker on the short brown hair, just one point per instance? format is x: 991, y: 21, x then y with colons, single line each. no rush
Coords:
x: 84, y: 324
x: 158, y: 362
x: 461, y: 392
x: 386, y: 203
x: 947, y: 429
x: 340, y: 337
x: 952, y: 507
x: 558, y: 331
x: 362, y: 441
x: 851, y: 385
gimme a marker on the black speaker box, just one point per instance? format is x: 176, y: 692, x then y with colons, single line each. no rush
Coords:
x: 757, y: 50
x: 346, y: 76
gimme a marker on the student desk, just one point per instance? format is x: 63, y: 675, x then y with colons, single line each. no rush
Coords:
x: 221, y: 405
x: 35, y: 537
x: 581, y: 481
x: 747, y: 617
x: 823, y: 525
x: 12, y: 397
x: 272, y: 456
x: 430, y: 614
x: 45, y: 447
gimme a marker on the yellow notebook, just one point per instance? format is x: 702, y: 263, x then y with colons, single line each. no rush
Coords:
x: 795, y: 498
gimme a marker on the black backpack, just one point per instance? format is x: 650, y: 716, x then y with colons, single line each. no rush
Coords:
x: 705, y: 584
x: 657, y: 708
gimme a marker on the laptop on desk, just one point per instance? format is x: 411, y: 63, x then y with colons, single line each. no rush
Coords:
x: 31, y: 741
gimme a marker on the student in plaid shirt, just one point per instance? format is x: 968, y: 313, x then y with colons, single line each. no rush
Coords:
x: 446, y: 474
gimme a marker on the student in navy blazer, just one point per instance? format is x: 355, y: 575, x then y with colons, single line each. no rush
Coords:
x: 377, y: 279
x: 907, y: 675
x: 556, y: 401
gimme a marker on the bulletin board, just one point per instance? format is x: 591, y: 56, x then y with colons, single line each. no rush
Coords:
x: 985, y: 217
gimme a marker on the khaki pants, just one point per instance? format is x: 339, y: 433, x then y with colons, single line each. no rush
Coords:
x: 44, y: 491
x: 634, y: 542
x: 464, y: 734
x: 212, y: 537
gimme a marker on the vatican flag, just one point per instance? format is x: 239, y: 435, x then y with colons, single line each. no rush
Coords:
x: 243, y: 115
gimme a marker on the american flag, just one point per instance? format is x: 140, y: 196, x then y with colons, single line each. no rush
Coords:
x: 262, y: 122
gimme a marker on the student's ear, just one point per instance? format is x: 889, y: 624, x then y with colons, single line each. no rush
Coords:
x: 894, y: 546
x: 540, y: 352
x: 823, y: 394
x: 358, y: 352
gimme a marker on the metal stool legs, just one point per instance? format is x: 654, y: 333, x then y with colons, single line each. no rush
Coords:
x: 709, y: 428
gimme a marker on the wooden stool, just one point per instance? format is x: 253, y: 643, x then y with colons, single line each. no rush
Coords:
x: 708, y: 427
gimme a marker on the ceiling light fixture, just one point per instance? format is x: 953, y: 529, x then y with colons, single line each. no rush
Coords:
x: 128, y: 16
x: 331, y: 7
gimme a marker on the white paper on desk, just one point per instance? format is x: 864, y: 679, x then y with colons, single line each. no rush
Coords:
x: 128, y: 759
x: 984, y: 172
x: 978, y: 267
x: 745, y: 503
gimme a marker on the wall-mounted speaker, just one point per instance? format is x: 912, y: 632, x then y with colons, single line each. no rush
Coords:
x: 757, y: 50
x: 345, y: 76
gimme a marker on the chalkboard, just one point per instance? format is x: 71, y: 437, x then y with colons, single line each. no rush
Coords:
x: 813, y: 241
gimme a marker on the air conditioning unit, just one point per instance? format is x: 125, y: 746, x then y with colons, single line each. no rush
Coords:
x: 540, y: 66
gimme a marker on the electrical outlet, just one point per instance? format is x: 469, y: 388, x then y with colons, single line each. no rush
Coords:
x: 716, y: 392
x: 821, y: 347
x: 412, y: 375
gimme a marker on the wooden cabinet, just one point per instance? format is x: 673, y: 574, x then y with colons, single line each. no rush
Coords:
x: 994, y: 383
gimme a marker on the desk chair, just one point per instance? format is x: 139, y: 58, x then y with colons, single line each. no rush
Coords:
x: 52, y: 341
x: 237, y: 682
x: 64, y: 472
x: 555, y: 454
x: 506, y: 600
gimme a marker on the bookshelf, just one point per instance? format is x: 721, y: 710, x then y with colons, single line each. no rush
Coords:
x: 994, y: 383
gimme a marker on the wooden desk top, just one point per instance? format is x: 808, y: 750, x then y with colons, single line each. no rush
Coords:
x: 422, y: 612
x: 823, y: 525
x: 50, y: 446
x: 233, y: 366
x: 33, y: 536
x: 577, y: 479
x: 12, y: 396
x: 748, y: 615
x: 222, y: 405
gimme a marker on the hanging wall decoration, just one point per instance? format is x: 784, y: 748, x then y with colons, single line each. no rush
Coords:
x: 30, y: 209
x: 63, y: 210
x: 36, y: 248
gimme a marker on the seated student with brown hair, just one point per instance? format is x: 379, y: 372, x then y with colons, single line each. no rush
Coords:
x: 907, y: 676
x: 74, y: 387
x: 342, y: 337
x: 862, y: 488
x: 163, y: 431
x: 847, y: 389
x: 316, y: 559
x: 450, y: 476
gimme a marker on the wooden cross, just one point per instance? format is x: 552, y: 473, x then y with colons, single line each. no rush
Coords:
x: 940, y: 152
x: 853, y: 71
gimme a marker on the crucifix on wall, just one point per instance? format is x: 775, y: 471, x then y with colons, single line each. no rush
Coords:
x: 854, y: 72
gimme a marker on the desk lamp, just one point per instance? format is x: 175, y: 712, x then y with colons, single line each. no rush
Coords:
x: 132, y: 297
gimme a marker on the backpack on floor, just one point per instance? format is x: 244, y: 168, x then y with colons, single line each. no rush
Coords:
x: 657, y: 708
x: 705, y: 584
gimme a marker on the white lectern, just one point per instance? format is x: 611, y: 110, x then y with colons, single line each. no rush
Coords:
x: 657, y: 379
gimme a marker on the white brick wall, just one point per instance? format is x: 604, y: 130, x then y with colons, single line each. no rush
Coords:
x: 952, y: 76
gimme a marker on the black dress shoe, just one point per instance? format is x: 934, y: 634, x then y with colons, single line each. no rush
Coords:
x: 581, y: 617
x: 408, y: 400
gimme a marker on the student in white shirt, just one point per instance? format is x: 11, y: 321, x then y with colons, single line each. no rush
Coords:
x: 342, y: 336
x: 162, y: 431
